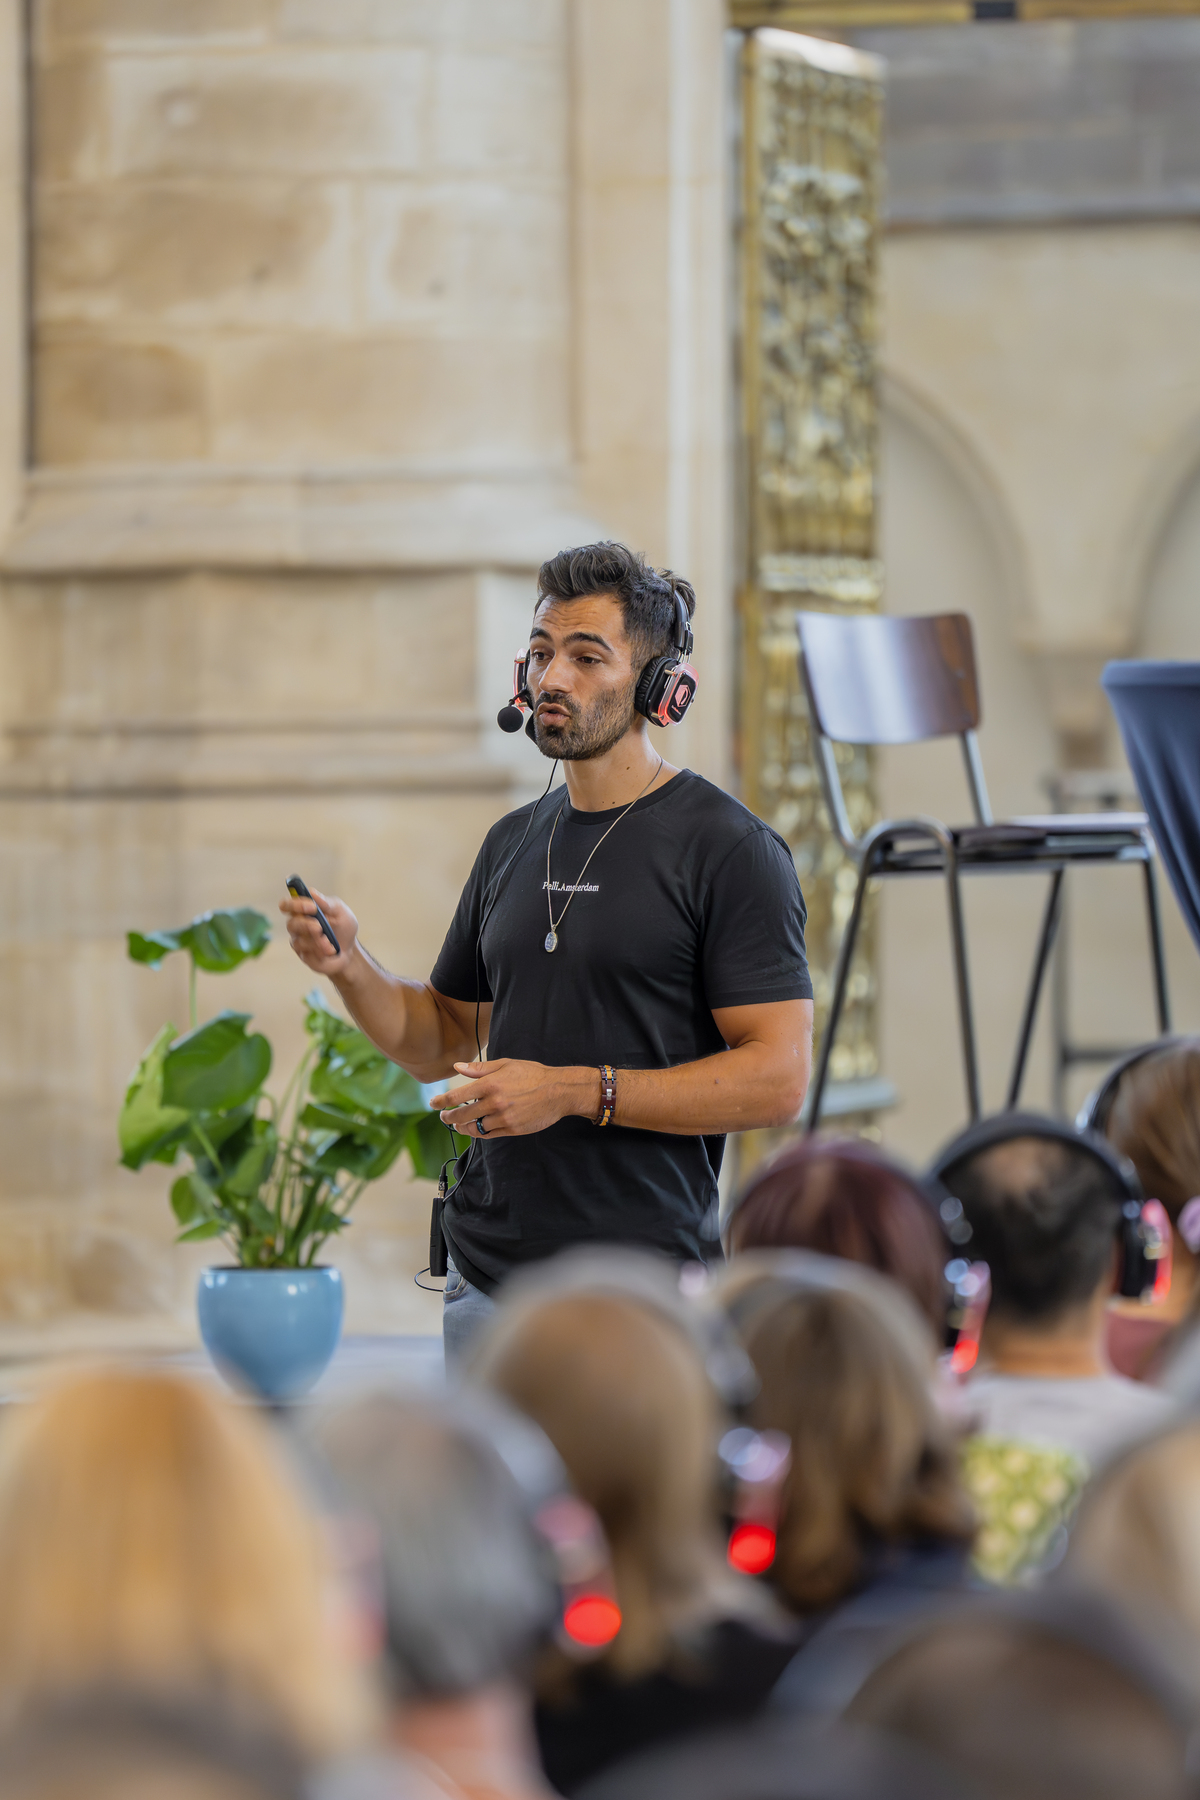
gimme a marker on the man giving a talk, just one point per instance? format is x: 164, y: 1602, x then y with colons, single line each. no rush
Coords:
x: 633, y: 947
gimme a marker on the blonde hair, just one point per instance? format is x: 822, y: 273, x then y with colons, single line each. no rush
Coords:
x: 622, y: 1394
x: 1135, y: 1536
x: 150, y: 1538
x: 846, y: 1373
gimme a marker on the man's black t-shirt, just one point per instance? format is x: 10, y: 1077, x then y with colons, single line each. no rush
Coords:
x: 692, y: 903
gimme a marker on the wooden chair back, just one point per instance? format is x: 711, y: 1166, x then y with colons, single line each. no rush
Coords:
x: 880, y: 680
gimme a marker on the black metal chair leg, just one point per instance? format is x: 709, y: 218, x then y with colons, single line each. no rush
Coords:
x: 1045, y: 945
x: 816, y: 1092
x: 1060, y: 1008
x: 963, y: 983
x: 1154, y: 922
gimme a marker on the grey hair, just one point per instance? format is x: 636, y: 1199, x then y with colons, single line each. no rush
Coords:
x: 469, y: 1585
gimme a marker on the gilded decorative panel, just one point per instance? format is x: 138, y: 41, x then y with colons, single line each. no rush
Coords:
x: 812, y: 116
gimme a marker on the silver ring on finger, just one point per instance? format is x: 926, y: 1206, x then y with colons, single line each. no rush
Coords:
x: 480, y: 1127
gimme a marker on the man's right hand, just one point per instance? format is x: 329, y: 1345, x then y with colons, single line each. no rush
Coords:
x: 309, y: 941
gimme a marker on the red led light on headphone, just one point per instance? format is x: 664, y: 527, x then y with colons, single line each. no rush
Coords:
x: 751, y: 1548
x: 756, y: 1464
x: 592, y: 1620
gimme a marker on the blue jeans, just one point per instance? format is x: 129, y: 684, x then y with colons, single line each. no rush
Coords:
x: 464, y: 1310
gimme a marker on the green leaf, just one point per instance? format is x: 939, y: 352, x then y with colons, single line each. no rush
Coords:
x: 263, y: 1219
x: 216, y: 1066
x: 192, y: 1199
x: 217, y: 941
x: 335, y: 1119
x: 219, y: 1128
x: 148, y: 1128
x: 321, y: 1020
x: 255, y: 1157
x: 429, y: 1142
x: 151, y: 947
x: 352, y: 1072
x: 325, y: 1222
x: 208, y: 1228
x: 348, y: 1154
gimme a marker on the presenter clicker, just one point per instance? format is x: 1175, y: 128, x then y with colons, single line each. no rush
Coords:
x: 630, y: 949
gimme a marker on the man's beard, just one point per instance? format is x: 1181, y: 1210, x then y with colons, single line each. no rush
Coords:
x: 588, y: 734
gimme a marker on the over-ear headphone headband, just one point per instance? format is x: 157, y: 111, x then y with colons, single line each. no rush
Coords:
x: 1094, y: 1114
x: 1139, y: 1238
x: 1008, y: 1127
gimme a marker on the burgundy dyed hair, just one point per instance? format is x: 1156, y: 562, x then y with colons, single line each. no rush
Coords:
x: 845, y: 1198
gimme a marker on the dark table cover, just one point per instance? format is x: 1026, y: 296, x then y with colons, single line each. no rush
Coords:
x: 1158, y: 710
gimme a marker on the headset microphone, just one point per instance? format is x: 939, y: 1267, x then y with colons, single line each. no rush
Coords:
x: 510, y: 718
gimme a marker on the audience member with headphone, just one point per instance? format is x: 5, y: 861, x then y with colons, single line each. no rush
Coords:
x: 1148, y: 1107
x: 1059, y: 1218
x: 466, y: 1558
x: 631, y: 952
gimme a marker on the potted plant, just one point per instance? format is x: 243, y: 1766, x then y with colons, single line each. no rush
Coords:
x: 275, y: 1180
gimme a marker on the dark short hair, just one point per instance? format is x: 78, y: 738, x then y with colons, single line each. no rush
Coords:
x: 843, y: 1198
x: 1045, y: 1227
x: 647, y: 595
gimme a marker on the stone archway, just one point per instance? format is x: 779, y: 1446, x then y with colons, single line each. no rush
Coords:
x: 948, y: 544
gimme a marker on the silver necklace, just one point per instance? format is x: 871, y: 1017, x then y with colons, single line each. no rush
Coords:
x: 551, y: 941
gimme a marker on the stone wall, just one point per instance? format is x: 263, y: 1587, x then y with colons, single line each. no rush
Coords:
x: 1042, y: 442
x: 300, y: 435
x: 341, y: 319
x: 285, y: 233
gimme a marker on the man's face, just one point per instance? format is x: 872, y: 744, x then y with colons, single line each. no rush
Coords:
x: 581, y: 679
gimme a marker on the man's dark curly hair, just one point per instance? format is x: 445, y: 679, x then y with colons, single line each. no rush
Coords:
x: 646, y: 594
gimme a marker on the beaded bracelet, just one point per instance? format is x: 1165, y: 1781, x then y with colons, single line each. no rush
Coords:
x: 608, y: 1094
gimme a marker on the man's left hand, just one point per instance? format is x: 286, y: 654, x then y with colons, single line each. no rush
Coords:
x: 514, y: 1099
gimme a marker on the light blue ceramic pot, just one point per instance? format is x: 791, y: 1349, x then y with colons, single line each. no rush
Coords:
x: 271, y: 1331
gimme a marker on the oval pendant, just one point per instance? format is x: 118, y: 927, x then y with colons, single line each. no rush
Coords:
x: 552, y: 940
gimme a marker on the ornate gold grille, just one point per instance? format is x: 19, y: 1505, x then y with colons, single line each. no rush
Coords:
x: 812, y: 117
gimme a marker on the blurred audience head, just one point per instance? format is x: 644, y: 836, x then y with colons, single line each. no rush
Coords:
x: 468, y: 1584
x: 1153, y: 1118
x: 774, y: 1757
x: 1054, y: 1698
x: 1043, y: 1215
x: 460, y: 1500
x: 846, y: 1366
x: 842, y: 1197
x: 150, y: 1536
x: 618, y: 1384
x: 1136, y: 1536
x: 110, y: 1745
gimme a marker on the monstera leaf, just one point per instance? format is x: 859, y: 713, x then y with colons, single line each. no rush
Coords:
x: 217, y: 1066
x: 247, y: 1159
x: 216, y: 941
x: 352, y: 1073
x: 430, y: 1143
x: 352, y: 1079
x: 342, y: 1143
x: 274, y: 1187
x: 148, y: 1129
